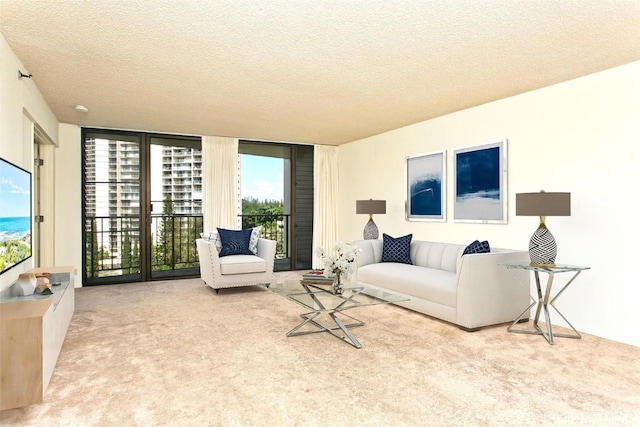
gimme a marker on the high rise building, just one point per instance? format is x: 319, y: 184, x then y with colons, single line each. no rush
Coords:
x: 113, y: 185
x: 182, y: 178
x: 112, y: 195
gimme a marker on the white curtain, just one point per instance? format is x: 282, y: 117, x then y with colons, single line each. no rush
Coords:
x: 219, y: 182
x: 325, y: 201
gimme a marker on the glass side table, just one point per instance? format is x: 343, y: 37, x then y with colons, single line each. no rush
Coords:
x: 545, y: 301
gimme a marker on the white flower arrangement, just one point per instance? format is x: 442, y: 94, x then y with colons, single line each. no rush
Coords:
x: 341, y: 264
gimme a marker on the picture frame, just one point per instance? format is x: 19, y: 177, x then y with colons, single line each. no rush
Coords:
x: 480, y: 183
x: 426, y: 187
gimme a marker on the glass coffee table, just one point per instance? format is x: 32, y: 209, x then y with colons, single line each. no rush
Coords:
x: 319, y: 299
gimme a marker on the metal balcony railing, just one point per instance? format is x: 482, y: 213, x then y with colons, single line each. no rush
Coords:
x: 113, y: 243
x: 274, y: 227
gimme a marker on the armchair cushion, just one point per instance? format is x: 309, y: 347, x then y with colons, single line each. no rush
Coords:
x: 253, y: 241
x: 235, y: 242
x: 212, y: 236
x: 240, y: 264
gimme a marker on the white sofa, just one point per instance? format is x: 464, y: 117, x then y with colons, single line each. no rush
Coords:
x: 236, y: 270
x: 470, y: 291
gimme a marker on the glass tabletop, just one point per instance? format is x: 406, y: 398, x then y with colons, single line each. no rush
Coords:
x: 558, y: 268
x: 321, y: 298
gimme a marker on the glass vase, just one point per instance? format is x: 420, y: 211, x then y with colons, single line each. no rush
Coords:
x: 337, y: 285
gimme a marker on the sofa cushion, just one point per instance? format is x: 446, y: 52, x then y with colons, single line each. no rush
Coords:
x: 239, y: 264
x: 477, y: 247
x: 396, y: 249
x: 419, y: 282
x: 235, y: 242
x: 440, y: 256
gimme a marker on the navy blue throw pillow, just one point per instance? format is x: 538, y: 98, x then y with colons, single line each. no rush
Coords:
x: 234, y: 242
x: 396, y: 249
x: 477, y: 247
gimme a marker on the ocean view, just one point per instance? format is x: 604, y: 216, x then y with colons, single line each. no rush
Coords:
x: 14, y: 227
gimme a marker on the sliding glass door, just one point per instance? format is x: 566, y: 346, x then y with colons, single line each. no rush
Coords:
x: 112, y: 207
x: 176, y: 206
x: 142, y: 202
x: 276, y: 184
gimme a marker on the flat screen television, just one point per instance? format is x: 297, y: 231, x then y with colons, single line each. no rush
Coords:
x: 15, y: 215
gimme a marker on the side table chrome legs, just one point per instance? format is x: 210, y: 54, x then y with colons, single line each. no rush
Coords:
x: 543, y: 303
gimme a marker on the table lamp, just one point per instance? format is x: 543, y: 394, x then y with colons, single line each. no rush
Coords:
x: 371, y: 207
x: 542, y: 246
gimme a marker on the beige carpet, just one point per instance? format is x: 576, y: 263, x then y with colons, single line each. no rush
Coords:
x: 175, y: 353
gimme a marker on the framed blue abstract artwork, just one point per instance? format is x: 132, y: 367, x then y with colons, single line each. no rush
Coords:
x: 426, y: 187
x: 480, y: 183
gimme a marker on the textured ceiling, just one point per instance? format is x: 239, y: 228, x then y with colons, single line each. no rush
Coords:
x: 316, y: 71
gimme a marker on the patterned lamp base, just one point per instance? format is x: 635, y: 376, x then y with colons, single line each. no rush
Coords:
x: 370, y: 230
x: 543, y: 248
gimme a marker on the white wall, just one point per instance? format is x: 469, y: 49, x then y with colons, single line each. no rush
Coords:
x: 580, y: 136
x: 21, y: 105
x: 68, y: 200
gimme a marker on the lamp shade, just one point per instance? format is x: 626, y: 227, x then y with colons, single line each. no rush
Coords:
x: 543, y: 204
x: 542, y: 246
x: 371, y: 207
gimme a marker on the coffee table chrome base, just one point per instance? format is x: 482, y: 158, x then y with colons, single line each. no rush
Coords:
x: 543, y: 305
x: 310, y: 318
x: 318, y: 300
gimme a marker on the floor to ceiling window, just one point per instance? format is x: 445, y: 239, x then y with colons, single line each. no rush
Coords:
x: 276, y: 182
x: 142, y: 205
x: 176, y: 205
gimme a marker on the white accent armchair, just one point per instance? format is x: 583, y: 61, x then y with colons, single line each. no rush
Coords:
x: 236, y: 270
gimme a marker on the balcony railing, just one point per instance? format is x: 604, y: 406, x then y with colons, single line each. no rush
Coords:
x: 173, y: 243
x: 113, y: 243
x: 273, y: 227
x: 112, y: 246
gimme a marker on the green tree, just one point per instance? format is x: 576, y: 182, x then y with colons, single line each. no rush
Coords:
x: 265, y: 213
x: 261, y: 212
x: 94, y: 252
x: 195, y: 229
x: 104, y: 253
x: 166, y: 235
x: 135, y: 258
x: 125, y: 253
x: 190, y: 230
x: 176, y: 243
x: 253, y: 206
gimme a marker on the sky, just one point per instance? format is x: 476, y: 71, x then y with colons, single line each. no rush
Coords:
x: 15, y: 196
x: 262, y: 177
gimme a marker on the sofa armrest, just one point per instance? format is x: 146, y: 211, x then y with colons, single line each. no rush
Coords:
x: 487, y: 292
x: 370, y: 253
x: 267, y: 251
